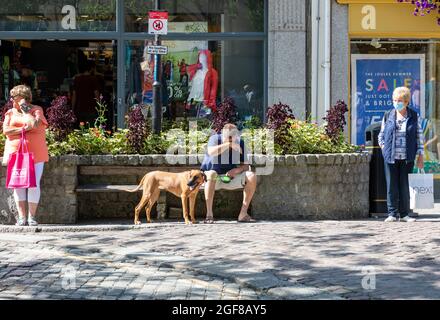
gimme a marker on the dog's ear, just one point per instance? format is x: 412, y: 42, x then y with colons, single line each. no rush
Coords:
x: 204, y: 176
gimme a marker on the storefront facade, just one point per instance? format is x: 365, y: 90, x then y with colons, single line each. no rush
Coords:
x: 388, y: 47
x: 47, y: 44
x: 234, y: 33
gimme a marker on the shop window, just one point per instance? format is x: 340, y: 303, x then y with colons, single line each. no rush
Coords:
x: 189, y: 16
x: 81, y: 70
x: 197, y: 75
x: 58, y: 15
x: 380, y: 66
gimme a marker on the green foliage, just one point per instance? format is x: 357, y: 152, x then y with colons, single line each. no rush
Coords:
x: 253, y: 123
x: 2, y: 143
x: 301, y: 137
x: 57, y: 148
x: 118, y: 142
x: 309, y: 138
x: 101, y: 109
x: 89, y: 141
x: 256, y: 140
x: 156, y: 144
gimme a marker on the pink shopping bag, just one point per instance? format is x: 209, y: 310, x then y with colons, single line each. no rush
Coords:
x: 21, y: 167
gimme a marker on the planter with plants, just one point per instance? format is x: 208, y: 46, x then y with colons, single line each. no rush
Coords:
x: 301, y: 171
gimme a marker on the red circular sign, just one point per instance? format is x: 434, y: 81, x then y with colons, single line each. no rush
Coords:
x: 157, y: 25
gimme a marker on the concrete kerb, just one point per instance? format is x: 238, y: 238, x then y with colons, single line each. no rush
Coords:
x: 84, y: 228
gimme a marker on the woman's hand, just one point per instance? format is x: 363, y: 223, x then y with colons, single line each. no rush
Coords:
x: 31, y: 122
x: 420, y: 162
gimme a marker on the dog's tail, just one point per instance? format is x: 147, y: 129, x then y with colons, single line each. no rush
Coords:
x: 139, y: 187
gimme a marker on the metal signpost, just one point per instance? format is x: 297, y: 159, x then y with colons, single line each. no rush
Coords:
x: 157, y: 25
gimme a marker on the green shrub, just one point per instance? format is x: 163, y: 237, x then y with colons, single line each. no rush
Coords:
x: 156, y: 144
x: 90, y: 141
x: 2, y: 144
x: 309, y: 138
x: 253, y: 123
x: 118, y: 142
x: 256, y: 140
x: 300, y: 138
x: 57, y: 148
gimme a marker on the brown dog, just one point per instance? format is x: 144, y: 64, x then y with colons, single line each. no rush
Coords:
x: 183, y: 185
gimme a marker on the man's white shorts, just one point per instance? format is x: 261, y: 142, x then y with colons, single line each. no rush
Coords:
x: 237, y: 183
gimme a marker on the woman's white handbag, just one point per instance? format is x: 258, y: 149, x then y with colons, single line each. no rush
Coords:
x: 421, y: 190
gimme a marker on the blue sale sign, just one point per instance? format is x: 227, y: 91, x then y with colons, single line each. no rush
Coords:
x: 374, y: 78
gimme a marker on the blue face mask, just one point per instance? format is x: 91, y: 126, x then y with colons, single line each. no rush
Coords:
x: 399, y: 106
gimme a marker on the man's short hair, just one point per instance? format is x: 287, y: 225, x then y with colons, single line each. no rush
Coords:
x: 230, y: 129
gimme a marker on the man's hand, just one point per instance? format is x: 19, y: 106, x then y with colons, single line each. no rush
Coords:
x: 236, y: 147
x: 420, y: 162
x: 234, y: 172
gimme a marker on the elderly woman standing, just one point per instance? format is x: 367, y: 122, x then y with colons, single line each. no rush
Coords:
x: 30, y: 118
x: 401, y: 140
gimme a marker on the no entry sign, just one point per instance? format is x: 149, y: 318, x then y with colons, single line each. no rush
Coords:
x: 158, y: 22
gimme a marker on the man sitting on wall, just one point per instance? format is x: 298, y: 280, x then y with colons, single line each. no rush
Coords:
x: 226, y: 167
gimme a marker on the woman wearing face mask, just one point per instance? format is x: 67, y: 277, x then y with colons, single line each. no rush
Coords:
x: 401, y: 140
x: 28, y: 117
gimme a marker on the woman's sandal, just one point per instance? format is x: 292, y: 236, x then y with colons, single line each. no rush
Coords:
x: 209, y: 220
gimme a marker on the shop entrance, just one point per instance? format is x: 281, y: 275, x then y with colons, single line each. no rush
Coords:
x: 80, y: 70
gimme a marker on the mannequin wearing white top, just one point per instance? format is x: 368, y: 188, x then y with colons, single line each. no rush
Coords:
x: 198, y: 82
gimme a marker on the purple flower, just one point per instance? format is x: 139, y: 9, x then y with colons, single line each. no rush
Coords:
x: 60, y: 118
x: 423, y: 7
x: 226, y: 113
x: 137, y: 129
x: 336, y: 120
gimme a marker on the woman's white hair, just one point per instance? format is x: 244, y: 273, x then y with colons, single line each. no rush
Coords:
x: 402, y: 92
x: 22, y: 91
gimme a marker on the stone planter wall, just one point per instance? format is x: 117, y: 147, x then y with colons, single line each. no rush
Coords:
x: 300, y: 187
x: 315, y: 187
x: 58, y: 203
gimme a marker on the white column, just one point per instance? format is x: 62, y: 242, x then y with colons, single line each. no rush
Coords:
x: 287, y: 54
x: 321, y: 57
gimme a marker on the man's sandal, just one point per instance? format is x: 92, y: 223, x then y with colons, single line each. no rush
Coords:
x: 247, y: 219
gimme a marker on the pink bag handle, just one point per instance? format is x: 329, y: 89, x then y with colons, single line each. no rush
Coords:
x: 23, y: 142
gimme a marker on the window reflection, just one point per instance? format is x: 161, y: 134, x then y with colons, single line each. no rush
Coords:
x: 197, y: 75
x: 58, y: 15
x: 190, y: 16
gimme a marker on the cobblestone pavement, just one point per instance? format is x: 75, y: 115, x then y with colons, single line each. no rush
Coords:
x: 227, y: 260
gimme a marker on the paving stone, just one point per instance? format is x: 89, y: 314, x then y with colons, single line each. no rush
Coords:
x: 319, y: 260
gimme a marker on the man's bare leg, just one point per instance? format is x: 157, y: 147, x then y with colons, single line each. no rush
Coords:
x: 248, y: 194
x: 211, y: 177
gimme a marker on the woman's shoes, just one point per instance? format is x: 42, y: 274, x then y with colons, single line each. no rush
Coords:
x: 21, y: 222
x: 32, y: 222
x: 209, y: 220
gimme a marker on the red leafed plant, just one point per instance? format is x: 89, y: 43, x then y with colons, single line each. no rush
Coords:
x: 226, y: 113
x: 60, y: 118
x: 336, y: 121
x: 278, y: 117
x: 137, y: 129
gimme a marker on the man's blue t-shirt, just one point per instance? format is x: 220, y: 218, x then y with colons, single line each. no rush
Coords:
x: 228, y: 160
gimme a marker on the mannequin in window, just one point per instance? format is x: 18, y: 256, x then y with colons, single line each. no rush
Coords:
x: 204, y: 83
